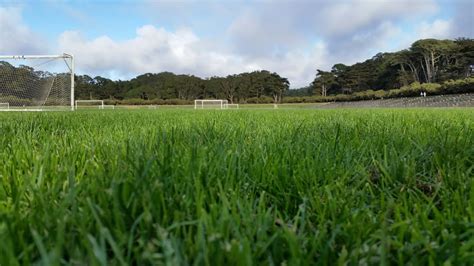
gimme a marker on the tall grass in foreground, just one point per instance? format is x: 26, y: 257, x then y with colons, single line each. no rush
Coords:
x: 237, y: 187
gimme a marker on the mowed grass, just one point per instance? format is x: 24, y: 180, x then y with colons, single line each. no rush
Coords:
x: 232, y: 187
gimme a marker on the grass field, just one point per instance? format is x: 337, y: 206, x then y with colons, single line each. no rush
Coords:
x: 244, y: 187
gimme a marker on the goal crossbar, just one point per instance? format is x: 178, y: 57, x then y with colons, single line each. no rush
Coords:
x: 36, y: 56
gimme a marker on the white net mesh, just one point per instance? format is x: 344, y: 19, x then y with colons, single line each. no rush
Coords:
x: 35, y: 83
x: 232, y: 106
x: 210, y: 104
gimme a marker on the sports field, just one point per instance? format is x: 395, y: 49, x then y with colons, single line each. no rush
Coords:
x: 237, y: 187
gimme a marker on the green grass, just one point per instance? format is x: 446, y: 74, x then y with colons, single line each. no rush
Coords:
x: 237, y: 187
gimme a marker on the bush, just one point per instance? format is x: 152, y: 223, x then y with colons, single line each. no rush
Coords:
x: 177, y: 102
x: 458, y: 86
x: 343, y: 97
x: 414, y: 90
x: 293, y: 99
x: 111, y: 102
x: 134, y: 101
x: 157, y: 101
x: 263, y: 99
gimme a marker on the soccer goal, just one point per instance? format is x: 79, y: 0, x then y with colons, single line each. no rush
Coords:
x: 89, y: 104
x: 210, y: 104
x: 37, y: 82
x: 4, y: 106
x: 232, y: 106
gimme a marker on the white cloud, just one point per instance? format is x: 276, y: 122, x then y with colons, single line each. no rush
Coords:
x: 298, y: 65
x: 438, y: 29
x: 363, y: 45
x: 353, y: 30
x: 347, y: 17
x: 255, y: 34
x: 15, y: 36
x: 151, y: 50
x: 156, y: 49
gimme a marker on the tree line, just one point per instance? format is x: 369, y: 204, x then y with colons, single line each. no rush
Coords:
x: 426, y: 61
x: 257, y: 86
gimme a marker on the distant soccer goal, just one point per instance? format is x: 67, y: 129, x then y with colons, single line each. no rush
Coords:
x: 108, y: 106
x: 37, y: 82
x: 232, y: 106
x: 89, y: 104
x: 210, y: 104
x: 4, y: 106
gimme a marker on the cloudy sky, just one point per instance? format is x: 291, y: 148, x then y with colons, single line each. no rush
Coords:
x: 120, y: 39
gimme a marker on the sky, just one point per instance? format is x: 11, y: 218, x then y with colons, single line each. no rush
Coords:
x: 120, y: 39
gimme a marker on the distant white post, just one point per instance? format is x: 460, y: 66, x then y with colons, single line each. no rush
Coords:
x: 72, y: 81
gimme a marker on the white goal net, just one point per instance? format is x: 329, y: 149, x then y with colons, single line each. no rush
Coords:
x: 4, y: 106
x: 210, y: 104
x: 232, y: 106
x: 37, y: 82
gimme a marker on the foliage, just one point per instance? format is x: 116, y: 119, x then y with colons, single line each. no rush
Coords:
x: 167, y: 86
x: 305, y: 91
x: 260, y: 100
x: 427, y: 61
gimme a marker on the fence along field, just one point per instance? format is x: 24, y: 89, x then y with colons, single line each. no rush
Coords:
x: 248, y: 187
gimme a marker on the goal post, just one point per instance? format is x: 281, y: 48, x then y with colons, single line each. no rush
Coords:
x: 214, y: 104
x: 89, y: 104
x: 37, y: 82
x: 4, y: 106
x: 232, y: 106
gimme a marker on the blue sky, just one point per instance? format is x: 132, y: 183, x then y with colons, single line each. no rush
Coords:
x: 121, y: 39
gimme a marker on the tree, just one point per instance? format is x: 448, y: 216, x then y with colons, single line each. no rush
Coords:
x: 427, y: 60
x: 408, y: 68
x: 431, y: 51
x: 323, y: 81
x: 230, y: 86
x: 258, y: 80
x: 277, y: 87
x: 463, y: 58
x: 245, y: 87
